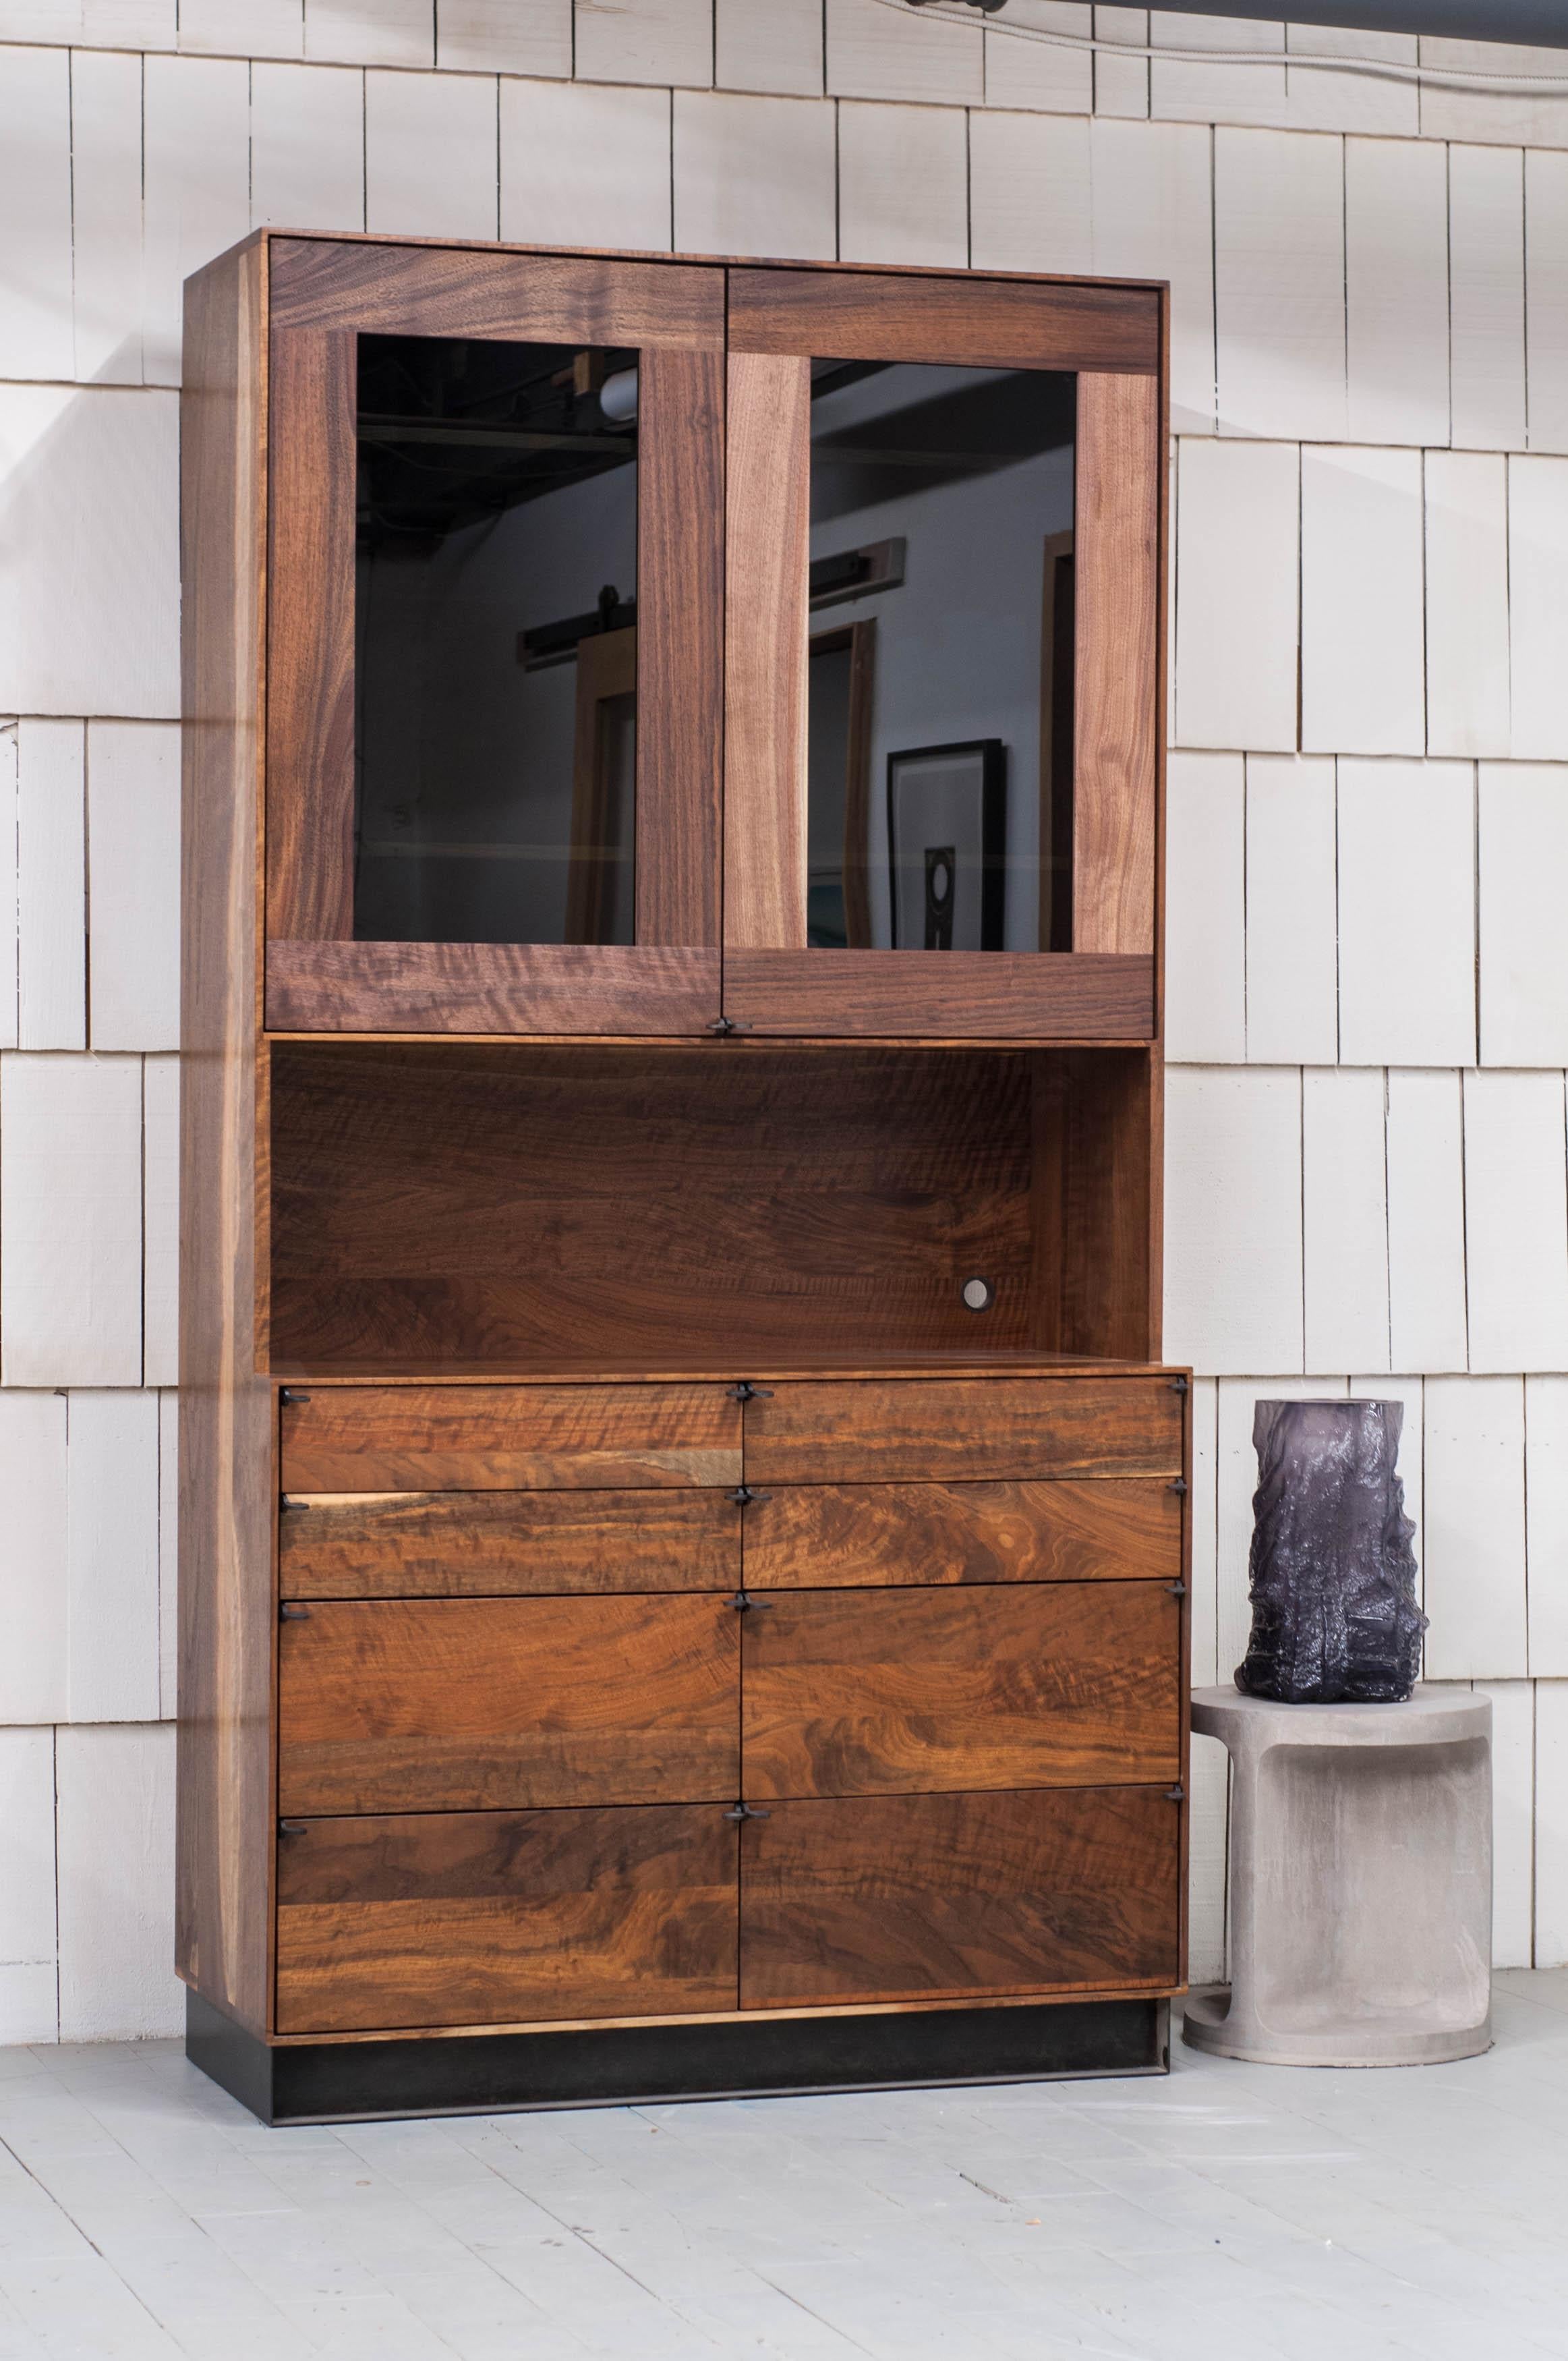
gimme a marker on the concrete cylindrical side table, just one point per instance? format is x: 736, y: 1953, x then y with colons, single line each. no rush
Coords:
x: 1360, y: 1881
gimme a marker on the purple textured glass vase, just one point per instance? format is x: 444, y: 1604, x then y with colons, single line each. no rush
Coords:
x: 1332, y: 1575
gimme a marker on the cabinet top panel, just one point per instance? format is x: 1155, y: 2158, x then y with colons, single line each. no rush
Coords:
x: 272, y: 238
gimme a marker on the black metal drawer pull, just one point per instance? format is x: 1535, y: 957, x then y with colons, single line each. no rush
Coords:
x: 745, y: 1391
x: 1177, y: 1795
x: 743, y: 1496
x: 746, y: 1812
x: 290, y: 1613
x: 1177, y: 1589
x: 744, y: 1604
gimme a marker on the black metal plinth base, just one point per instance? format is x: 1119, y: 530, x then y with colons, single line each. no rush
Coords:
x: 488, y: 2073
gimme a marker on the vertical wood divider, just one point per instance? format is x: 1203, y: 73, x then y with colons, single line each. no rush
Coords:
x: 1116, y: 721
x: 310, y: 719
x: 768, y: 509
x: 680, y: 645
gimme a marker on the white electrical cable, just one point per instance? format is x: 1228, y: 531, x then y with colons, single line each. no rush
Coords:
x: 942, y: 12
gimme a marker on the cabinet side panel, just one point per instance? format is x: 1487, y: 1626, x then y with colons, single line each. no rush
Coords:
x: 767, y: 535
x: 1115, y: 693
x: 225, y: 1441
x: 1097, y: 1202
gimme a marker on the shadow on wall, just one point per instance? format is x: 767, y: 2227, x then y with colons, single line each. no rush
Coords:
x: 89, y: 550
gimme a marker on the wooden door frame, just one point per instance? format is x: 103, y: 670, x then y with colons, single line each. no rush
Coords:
x: 1112, y: 339
x: 324, y: 292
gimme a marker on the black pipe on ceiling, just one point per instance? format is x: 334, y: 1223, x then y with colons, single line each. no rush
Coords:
x: 1543, y: 23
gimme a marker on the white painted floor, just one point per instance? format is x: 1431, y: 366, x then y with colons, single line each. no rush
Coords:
x: 1230, y: 2214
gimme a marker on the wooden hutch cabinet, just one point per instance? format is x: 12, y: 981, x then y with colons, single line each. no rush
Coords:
x: 683, y: 1521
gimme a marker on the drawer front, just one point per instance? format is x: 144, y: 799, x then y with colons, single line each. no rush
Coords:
x: 878, y: 1692
x: 464, y: 1704
x: 486, y: 1918
x: 474, y: 1544
x: 933, y: 1897
x: 509, y: 1438
x: 896, y: 1429
x: 817, y: 1535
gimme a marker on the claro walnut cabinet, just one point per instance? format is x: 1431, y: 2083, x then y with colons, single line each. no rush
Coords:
x: 683, y: 1521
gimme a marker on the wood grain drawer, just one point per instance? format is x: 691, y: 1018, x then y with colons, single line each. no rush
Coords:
x: 920, y: 1429
x: 460, y: 1705
x: 875, y: 1692
x: 509, y: 1438
x: 485, y: 1919
x: 474, y: 1544
x: 815, y: 1535
x: 930, y: 1898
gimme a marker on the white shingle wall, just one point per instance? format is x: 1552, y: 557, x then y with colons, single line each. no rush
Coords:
x: 1367, y: 1131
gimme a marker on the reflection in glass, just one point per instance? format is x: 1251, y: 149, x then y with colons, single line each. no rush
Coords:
x: 939, y: 744
x: 496, y: 642
x: 842, y: 665
x: 946, y: 832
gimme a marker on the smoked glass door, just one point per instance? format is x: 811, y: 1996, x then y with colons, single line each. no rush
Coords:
x: 494, y: 644
x: 942, y: 614
x: 495, y: 664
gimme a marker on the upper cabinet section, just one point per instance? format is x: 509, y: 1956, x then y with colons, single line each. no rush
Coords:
x: 656, y: 648
x: 494, y: 642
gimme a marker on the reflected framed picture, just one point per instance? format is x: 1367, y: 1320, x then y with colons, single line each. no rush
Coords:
x: 946, y: 832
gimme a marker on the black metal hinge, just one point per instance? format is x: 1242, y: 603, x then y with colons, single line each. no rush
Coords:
x: 745, y: 1391
x: 290, y: 1613
x: 744, y: 1604
x: 746, y: 1812
x: 723, y: 1025
x: 743, y: 1496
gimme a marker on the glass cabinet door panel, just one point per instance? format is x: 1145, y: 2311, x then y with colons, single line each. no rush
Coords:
x: 495, y: 642
x: 495, y: 609
x: 943, y: 621
x: 941, y: 530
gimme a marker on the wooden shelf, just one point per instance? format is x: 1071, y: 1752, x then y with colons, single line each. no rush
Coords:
x: 705, y: 1369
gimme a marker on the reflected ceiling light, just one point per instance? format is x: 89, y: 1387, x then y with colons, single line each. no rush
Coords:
x: 618, y: 395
